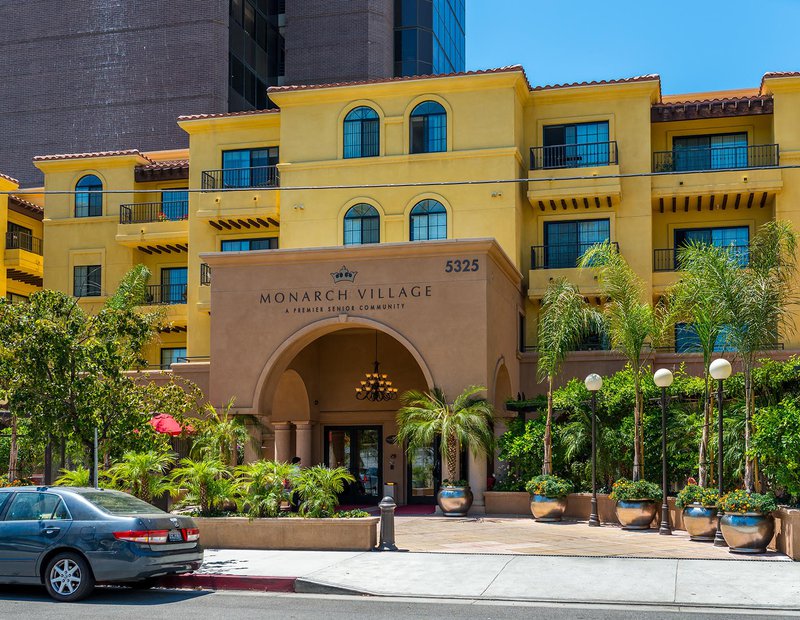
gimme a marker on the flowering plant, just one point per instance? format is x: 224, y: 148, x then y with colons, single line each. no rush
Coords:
x: 628, y: 491
x: 740, y: 502
x: 549, y: 486
x: 695, y: 494
x: 23, y: 482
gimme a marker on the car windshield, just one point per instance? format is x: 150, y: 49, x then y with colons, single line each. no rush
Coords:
x: 120, y: 504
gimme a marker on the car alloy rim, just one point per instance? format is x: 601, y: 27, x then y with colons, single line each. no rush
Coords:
x: 65, y: 577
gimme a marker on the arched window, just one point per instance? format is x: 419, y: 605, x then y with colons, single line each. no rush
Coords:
x: 87, y: 202
x: 428, y: 221
x: 428, y: 128
x: 362, y: 225
x: 361, y: 133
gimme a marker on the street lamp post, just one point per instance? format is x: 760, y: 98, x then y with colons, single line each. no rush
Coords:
x: 663, y: 379
x: 720, y: 369
x: 593, y: 383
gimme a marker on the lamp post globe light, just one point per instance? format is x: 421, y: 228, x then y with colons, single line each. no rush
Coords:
x: 593, y: 383
x: 663, y: 379
x: 719, y: 369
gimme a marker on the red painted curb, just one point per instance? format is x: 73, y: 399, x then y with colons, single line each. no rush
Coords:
x: 229, y: 582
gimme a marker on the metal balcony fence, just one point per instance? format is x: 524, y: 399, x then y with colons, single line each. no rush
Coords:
x: 703, y: 158
x: 24, y: 241
x: 666, y: 259
x: 240, y: 178
x: 165, y: 294
x: 574, y: 155
x: 560, y: 256
x: 140, y: 213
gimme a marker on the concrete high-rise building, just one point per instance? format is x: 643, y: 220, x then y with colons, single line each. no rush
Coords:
x: 84, y: 77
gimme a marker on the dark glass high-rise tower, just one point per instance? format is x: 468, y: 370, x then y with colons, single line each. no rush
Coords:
x: 429, y: 37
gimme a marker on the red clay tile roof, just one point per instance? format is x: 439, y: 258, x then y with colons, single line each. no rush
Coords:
x: 754, y: 97
x: 171, y: 164
x: 508, y: 69
x: 652, y: 77
x: 89, y: 155
x: 27, y: 204
x: 8, y: 178
x: 780, y: 74
x: 194, y: 117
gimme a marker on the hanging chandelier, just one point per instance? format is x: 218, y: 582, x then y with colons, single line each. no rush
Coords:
x: 376, y: 386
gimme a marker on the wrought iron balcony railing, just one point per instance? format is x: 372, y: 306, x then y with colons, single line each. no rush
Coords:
x: 574, y: 155
x: 666, y: 259
x: 143, y: 212
x: 705, y: 158
x: 560, y: 256
x: 240, y: 178
x: 165, y: 294
x: 24, y: 241
x: 205, y: 274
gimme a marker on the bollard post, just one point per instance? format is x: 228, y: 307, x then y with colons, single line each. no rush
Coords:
x: 386, y: 542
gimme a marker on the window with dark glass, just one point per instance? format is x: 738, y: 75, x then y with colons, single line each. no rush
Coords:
x: 89, y: 197
x: 687, y: 340
x: 250, y: 167
x: 361, y: 133
x: 172, y: 355
x: 428, y: 221
x: 173, y: 285
x: 712, y: 152
x: 576, y: 145
x: 361, y: 225
x: 428, y: 128
x: 87, y: 281
x: 566, y: 242
x: 20, y: 238
x: 735, y: 238
x: 13, y: 298
x: 174, y: 205
x: 247, y: 245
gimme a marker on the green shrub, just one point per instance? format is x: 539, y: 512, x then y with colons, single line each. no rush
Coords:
x: 549, y: 486
x: 626, y: 490
x: 740, y: 502
x: 522, y: 448
x: 351, y: 514
x: 261, y: 489
x: 776, y: 443
x: 695, y: 494
x: 319, y: 488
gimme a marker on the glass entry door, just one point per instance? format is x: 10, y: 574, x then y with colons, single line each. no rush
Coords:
x: 424, y: 473
x: 358, y: 449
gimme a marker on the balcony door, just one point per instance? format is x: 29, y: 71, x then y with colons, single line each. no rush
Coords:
x: 566, y: 242
x: 575, y: 146
x: 716, y: 152
x: 250, y: 167
x: 173, y: 285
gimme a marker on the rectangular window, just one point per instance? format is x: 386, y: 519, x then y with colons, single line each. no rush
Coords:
x: 13, y: 298
x: 87, y: 281
x: 250, y: 167
x: 174, y: 205
x: 566, y: 242
x: 735, y: 238
x: 713, y: 152
x: 35, y: 507
x: 687, y: 340
x: 173, y: 285
x: 247, y: 245
x: 171, y: 355
x: 575, y: 146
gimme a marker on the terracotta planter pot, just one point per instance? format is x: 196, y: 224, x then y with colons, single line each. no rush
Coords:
x: 454, y: 501
x: 750, y: 532
x: 548, y: 509
x: 636, y: 514
x: 700, y: 522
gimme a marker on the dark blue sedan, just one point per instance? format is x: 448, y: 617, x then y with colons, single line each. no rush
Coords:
x: 69, y: 539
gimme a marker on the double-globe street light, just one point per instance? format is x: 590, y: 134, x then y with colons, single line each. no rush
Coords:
x: 663, y: 379
x: 593, y: 383
x: 720, y: 369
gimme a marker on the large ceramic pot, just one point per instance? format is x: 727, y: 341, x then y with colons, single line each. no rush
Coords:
x: 636, y: 514
x: 548, y: 509
x: 454, y: 501
x: 750, y: 532
x: 700, y: 522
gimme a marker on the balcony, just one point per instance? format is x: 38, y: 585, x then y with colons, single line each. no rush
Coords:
x: 146, y: 212
x: 23, y: 258
x: 165, y: 294
x: 550, y: 262
x: 666, y: 259
x: 554, y: 169
x: 560, y: 256
x: 240, y: 178
x: 154, y: 227
x: 716, y: 177
x: 255, y: 206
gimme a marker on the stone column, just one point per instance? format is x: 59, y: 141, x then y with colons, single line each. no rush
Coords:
x: 477, y: 481
x: 283, y: 442
x: 305, y: 445
x: 252, y: 447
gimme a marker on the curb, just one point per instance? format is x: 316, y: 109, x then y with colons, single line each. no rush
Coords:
x: 229, y: 582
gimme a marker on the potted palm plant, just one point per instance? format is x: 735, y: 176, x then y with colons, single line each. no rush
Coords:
x: 636, y: 503
x: 548, y: 497
x: 747, y: 525
x: 699, y: 511
x: 466, y: 422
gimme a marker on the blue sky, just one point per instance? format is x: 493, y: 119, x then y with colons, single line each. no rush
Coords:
x: 695, y: 45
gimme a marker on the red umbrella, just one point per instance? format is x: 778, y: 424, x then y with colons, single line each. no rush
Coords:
x: 165, y: 423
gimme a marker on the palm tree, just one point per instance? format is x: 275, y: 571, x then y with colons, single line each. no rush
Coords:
x: 630, y: 322
x: 319, y: 488
x: 754, y: 302
x: 78, y: 477
x: 207, y: 483
x: 220, y: 434
x: 467, y: 421
x: 262, y: 488
x: 143, y: 474
x: 564, y: 321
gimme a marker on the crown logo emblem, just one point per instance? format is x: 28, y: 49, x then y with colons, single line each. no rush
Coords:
x: 344, y: 275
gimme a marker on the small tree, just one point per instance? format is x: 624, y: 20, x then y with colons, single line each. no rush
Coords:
x: 261, y: 487
x: 319, y: 488
x: 207, y: 482
x: 143, y: 474
x: 467, y: 421
x: 220, y: 433
x: 565, y: 319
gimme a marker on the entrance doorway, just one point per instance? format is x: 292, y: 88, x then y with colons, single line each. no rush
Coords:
x: 424, y: 473
x: 359, y: 449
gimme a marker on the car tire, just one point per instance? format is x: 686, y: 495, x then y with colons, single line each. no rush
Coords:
x: 68, y: 577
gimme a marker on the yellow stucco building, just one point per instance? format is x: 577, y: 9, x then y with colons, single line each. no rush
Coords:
x: 21, y: 225
x: 418, y: 220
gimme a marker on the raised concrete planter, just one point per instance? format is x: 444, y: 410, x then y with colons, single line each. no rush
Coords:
x: 507, y: 503
x: 289, y: 533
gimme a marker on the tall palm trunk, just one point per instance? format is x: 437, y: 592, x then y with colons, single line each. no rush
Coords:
x: 749, y: 474
x: 703, y: 455
x: 14, y: 451
x: 547, y: 465
x: 638, y: 443
x: 452, y: 457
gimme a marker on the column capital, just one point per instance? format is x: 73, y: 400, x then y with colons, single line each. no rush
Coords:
x: 305, y: 425
x: 282, y: 426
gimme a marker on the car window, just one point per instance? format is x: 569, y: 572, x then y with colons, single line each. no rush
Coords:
x: 120, y: 504
x: 61, y: 513
x: 33, y: 507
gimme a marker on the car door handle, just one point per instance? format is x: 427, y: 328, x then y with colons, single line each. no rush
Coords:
x: 49, y: 531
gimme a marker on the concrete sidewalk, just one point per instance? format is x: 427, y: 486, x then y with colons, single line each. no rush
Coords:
x: 713, y: 583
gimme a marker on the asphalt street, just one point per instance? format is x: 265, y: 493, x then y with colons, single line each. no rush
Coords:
x: 124, y: 604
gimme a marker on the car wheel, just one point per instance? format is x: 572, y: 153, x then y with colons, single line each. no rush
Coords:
x: 68, y: 578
